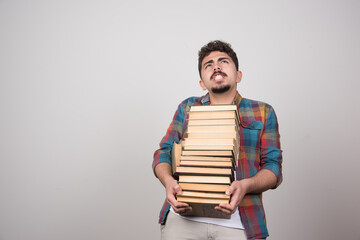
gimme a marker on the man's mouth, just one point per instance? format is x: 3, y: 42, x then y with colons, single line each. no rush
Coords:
x: 217, y: 76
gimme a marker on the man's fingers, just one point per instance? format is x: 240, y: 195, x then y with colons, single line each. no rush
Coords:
x: 179, y: 207
x: 182, y: 209
x: 234, y: 200
x: 226, y: 208
x: 178, y: 189
x: 223, y: 209
x: 171, y: 199
x: 232, y: 189
x: 176, y: 204
x: 229, y: 191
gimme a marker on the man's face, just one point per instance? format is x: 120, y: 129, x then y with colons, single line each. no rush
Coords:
x: 219, y: 73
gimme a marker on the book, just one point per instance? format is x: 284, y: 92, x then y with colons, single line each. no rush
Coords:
x: 222, y: 153
x: 204, y: 171
x: 205, y: 158
x: 201, y: 200
x: 209, y: 141
x: 220, y: 128
x: 221, y: 164
x: 204, y: 209
x: 215, y: 115
x: 218, y: 135
x: 213, y: 147
x: 204, y: 187
x: 213, y: 108
x: 204, y: 148
x: 204, y: 195
x: 212, y: 122
x: 175, y: 156
x: 204, y: 179
x: 208, y: 134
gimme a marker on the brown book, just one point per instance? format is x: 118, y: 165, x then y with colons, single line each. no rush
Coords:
x: 191, y: 163
x: 204, y: 179
x: 211, y: 147
x: 206, y: 210
x: 222, y: 153
x: 204, y: 207
x: 229, y: 114
x: 205, y: 171
x: 234, y: 135
x: 209, y: 141
x: 221, y: 128
x: 204, y: 187
x: 206, y: 158
x: 233, y: 148
x: 213, y: 108
x: 212, y: 122
x: 210, y: 153
x: 175, y: 156
x: 202, y: 200
x: 204, y: 195
x: 213, y: 115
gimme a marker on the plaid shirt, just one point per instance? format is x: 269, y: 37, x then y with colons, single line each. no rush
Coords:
x: 259, y: 149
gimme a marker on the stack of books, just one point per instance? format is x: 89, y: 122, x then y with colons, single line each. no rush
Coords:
x: 205, y: 160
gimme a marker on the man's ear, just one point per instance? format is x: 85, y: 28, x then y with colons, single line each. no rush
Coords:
x: 202, y: 85
x: 239, y: 76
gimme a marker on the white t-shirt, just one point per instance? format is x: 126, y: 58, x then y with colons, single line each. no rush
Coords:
x: 233, y: 222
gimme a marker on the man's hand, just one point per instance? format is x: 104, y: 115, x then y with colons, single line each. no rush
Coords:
x: 163, y: 172
x: 173, y: 188
x: 262, y: 181
x: 237, y: 190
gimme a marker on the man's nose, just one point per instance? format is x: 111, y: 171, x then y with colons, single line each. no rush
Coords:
x: 216, y: 68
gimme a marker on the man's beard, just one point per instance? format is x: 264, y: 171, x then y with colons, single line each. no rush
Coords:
x: 220, y: 89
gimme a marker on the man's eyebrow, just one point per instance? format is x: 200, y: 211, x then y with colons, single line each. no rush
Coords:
x: 224, y: 58
x: 210, y: 61
x: 219, y: 60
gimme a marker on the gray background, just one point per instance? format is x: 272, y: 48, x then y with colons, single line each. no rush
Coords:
x: 88, y: 89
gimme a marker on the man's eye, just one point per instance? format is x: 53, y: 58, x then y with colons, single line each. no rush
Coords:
x: 207, y: 65
x: 224, y: 61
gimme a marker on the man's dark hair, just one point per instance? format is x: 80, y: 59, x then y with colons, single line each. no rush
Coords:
x: 220, y: 46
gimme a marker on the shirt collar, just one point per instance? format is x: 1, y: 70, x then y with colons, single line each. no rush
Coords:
x: 205, y: 100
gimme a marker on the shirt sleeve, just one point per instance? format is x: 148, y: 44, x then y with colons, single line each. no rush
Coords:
x: 271, y: 153
x: 173, y: 134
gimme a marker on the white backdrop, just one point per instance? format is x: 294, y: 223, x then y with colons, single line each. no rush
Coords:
x: 88, y: 89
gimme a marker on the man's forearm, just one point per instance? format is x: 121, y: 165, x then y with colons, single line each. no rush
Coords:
x: 164, y: 173
x: 262, y: 181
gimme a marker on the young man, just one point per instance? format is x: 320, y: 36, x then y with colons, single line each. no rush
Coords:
x: 259, y: 166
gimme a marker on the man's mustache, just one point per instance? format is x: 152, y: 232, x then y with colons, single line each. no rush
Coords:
x: 218, y: 72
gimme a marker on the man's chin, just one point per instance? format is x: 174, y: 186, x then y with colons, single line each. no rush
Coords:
x: 222, y: 89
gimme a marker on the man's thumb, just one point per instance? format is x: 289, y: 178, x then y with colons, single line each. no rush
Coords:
x: 229, y: 191
x: 178, y: 189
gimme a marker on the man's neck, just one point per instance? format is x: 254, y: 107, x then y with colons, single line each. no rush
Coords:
x: 224, y: 98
